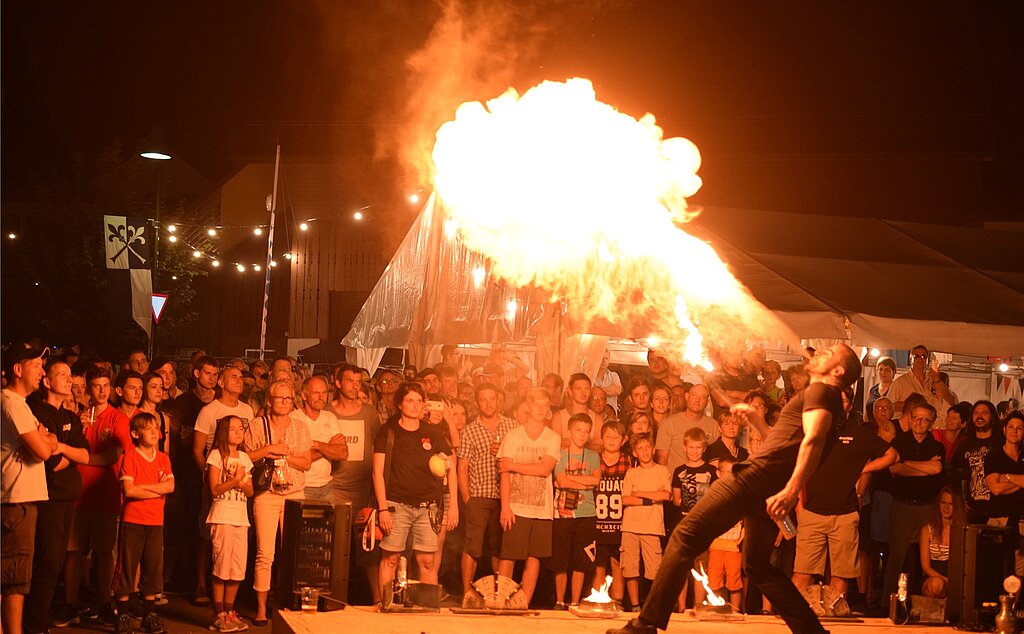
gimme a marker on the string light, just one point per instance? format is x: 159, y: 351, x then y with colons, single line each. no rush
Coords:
x: 1003, y: 367
x: 11, y: 236
x: 174, y: 277
x: 875, y: 352
x: 200, y: 251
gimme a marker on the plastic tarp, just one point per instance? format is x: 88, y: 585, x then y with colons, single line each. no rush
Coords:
x: 435, y: 290
x: 882, y: 284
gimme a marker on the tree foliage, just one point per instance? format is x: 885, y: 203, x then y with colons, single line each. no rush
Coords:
x: 54, y: 274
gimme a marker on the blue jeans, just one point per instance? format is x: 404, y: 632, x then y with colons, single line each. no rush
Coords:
x: 725, y: 503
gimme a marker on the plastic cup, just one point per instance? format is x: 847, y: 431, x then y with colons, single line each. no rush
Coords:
x: 310, y: 599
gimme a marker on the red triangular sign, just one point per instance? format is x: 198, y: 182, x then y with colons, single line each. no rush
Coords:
x: 159, y: 300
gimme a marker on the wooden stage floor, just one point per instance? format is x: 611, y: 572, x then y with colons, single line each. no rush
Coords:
x: 359, y: 619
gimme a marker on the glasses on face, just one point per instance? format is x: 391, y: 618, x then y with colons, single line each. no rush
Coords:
x: 920, y: 356
x: 387, y: 381
x: 922, y: 419
x: 282, y: 399
x: 260, y: 375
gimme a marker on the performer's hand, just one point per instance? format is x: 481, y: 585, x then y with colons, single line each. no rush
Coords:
x: 780, y: 504
x: 744, y: 413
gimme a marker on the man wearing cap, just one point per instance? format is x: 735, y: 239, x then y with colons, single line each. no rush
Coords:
x: 25, y: 445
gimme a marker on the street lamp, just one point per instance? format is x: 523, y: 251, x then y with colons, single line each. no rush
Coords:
x: 156, y: 155
x: 160, y: 157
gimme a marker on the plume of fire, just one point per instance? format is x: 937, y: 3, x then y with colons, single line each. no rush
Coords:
x: 702, y: 577
x: 566, y: 193
x: 600, y: 595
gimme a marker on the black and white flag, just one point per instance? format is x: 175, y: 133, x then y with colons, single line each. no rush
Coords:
x: 129, y: 267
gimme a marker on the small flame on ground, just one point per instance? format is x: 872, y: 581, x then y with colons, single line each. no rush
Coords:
x: 600, y: 595
x: 702, y: 577
x: 566, y: 193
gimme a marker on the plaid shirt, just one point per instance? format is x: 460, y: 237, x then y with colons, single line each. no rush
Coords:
x: 617, y: 470
x: 475, y: 447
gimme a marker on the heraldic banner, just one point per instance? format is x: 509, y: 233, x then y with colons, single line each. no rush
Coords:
x: 129, y: 267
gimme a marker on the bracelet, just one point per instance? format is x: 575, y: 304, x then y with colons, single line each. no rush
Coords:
x: 379, y: 511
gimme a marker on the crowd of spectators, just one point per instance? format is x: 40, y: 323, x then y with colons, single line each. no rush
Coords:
x: 128, y: 482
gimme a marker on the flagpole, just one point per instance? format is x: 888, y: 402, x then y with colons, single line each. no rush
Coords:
x: 272, y: 208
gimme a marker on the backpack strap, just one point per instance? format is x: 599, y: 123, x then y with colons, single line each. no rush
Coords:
x: 389, y: 447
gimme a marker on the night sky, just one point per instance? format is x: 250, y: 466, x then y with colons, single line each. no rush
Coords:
x: 899, y: 110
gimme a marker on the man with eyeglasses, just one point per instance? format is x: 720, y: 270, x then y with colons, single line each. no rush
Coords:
x: 352, y: 478
x: 916, y: 481
x: 923, y: 380
x: 387, y: 384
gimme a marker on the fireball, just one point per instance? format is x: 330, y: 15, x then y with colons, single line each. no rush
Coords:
x: 566, y: 193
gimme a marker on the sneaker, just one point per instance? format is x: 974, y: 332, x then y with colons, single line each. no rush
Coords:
x: 124, y: 625
x: 161, y: 599
x: 222, y: 623
x: 151, y: 624
x: 240, y: 625
x: 65, y: 616
x: 634, y: 626
x: 105, y: 613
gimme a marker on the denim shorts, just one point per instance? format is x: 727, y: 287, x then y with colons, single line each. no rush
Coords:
x: 407, y: 519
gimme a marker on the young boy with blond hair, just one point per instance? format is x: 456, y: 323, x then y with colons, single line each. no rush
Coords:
x: 644, y: 488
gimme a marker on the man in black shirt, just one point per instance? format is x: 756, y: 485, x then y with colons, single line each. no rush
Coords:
x: 829, y: 518
x: 64, y: 483
x: 916, y: 481
x: 764, y: 492
x: 968, y: 461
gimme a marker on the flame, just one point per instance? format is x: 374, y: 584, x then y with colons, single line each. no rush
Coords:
x: 702, y: 577
x: 600, y: 595
x: 566, y: 193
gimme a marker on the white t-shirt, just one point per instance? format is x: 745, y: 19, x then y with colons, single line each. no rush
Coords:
x: 531, y: 496
x: 23, y: 476
x: 229, y: 507
x: 206, y: 422
x: 325, y: 427
x: 610, y: 379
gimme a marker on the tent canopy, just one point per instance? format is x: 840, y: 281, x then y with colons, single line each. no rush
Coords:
x: 881, y: 283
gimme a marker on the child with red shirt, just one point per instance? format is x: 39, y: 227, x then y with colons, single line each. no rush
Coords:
x: 146, y: 477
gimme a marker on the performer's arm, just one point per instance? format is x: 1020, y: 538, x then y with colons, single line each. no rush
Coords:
x: 816, y: 424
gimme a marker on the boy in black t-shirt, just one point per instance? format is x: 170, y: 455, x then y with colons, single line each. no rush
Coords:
x: 690, y: 481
